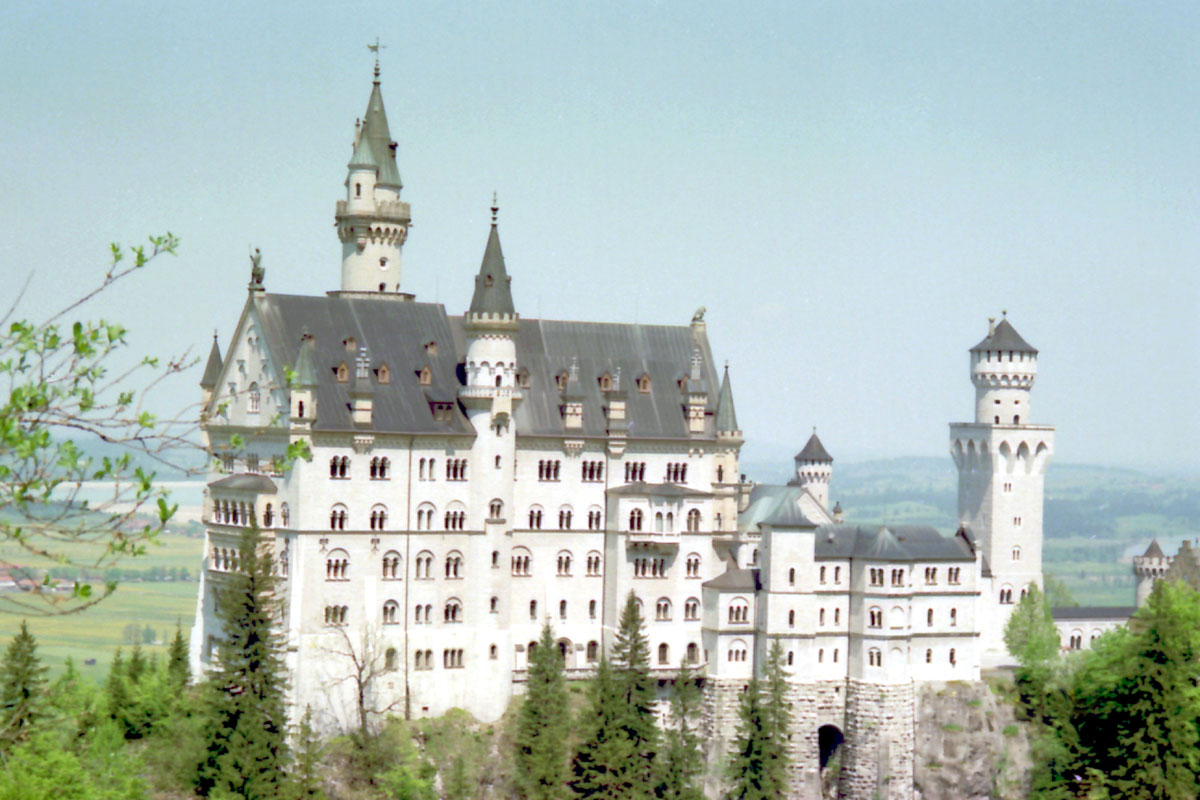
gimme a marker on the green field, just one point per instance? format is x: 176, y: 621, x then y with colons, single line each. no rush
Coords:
x: 98, y: 631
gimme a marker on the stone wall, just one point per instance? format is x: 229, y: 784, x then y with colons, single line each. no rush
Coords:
x: 969, y: 745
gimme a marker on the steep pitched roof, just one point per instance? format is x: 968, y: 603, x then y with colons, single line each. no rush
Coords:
x: 726, y: 415
x: 573, y: 391
x: 492, y: 292
x: 735, y: 580
x: 212, y: 370
x: 396, y: 333
x: 1153, y: 551
x: 1005, y: 337
x: 306, y: 374
x: 381, y: 149
x: 889, y: 543
x: 814, y: 451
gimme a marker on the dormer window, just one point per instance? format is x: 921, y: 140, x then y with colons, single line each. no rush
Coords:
x: 488, y: 281
x: 442, y: 411
x: 605, y: 382
x: 383, y: 262
x: 383, y: 374
x: 425, y: 376
x: 342, y: 372
x: 431, y: 348
x: 561, y: 380
x: 643, y: 383
x: 350, y: 344
x: 523, y: 379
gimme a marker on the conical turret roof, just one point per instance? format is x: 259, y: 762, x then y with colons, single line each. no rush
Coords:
x: 814, y: 451
x: 375, y: 146
x: 726, y: 415
x: 306, y: 373
x: 492, y: 293
x: 1153, y: 551
x: 1005, y: 337
x: 212, y: 370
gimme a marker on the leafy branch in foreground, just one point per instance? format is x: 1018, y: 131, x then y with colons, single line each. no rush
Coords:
x: 64, y: 394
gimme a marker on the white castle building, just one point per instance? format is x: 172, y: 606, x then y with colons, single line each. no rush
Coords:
x: 474, y: 476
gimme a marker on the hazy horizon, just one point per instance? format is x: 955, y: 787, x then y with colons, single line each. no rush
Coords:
x: 850, y: 189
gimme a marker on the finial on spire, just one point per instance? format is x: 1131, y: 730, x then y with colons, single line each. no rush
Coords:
x: 1004, y: 312
x: 495, y: 208
x: 214, y: 334
x: 375, y: 48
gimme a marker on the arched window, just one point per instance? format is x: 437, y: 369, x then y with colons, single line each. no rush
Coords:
x: 562, y: 609
x: 337, y: 565
x: 691, y: 609
x: 285, y: 515
x: 737, y: 651
x: 874, y: 657
x: 496, y: 510
x: 692, y: 565
x: 593, y: 563
x: 253, y: 398
x: 391, y: 566
x: 791, y: 619
x: 791, y: 658
x: 635, y: 519
x: 494, y: 605
x: 664, y: 654
x: 535, y: 517
x: 662, y: 610
x: 564, y: 563
x: 821, y: 617
x: 693, y: 520
x: 792, y: 576
x: 452, y: 611
x: 591, y: 609
x: 693, y: 653
x: 389, y: 659
x: 739, y: 610
x: 424, y: 565
x: 532, y: 612
x: 658, y: 522
x: 953, y: 660
x: 875, y: 617
x: 593, y: 651
x: 564, y: 518
x: 337, y: 518
x: 521, y: 561
x: 425, y: 514
x: 953, y: 617
x: 390, y: 611
x: 928, y: 656
x: 454, y: 564
x: 1016, y: 554
x: 822, y: 575
x: 898, y: 618
x: 378, y: 517
x: 929, y: 617
x: 268, y: 516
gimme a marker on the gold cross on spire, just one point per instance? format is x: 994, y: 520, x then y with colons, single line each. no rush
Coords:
x: 375, y: 48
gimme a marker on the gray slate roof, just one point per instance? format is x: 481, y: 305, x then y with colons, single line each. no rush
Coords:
x: 1153, y: 551
x: 395, y: 333
x: 889, y: 543
x: 1005, y: 337
x: 493, y: 294
x: 777, y: 506
x: 1066, y: 613
x: 212, y: 370
x: 245, y: 483
x: 378, y: 151
x: 735, y: 580
x: 814, y: 451
x: 726, y: 415
x: 639, y: 488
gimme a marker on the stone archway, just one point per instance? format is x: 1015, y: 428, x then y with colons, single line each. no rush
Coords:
x: 829, y: 750
x: 567, y: 651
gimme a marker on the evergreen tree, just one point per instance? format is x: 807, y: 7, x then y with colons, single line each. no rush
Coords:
x: 305, y: 782
x: 601, y: 765
x: 777, y: 724
x: 177, y: 659
x: 747, y: 770
x: 136, y: 667
x: 116, y: 688
x: 543, y: 725
x: 1032, y: 638
x: 246, y: 749
x: 683, y: 761
x: 636, y: 689
x: 22, y: 686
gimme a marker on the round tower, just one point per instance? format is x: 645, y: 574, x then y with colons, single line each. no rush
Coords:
x: 372, y: 222
x: 1147, y: 568
x: 814, y: 469
x: 1003, y: 368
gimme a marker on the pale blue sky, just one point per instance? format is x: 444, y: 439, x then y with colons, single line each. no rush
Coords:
x: 850, y: 188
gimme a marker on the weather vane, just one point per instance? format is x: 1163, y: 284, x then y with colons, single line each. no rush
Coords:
x: 375, y: 48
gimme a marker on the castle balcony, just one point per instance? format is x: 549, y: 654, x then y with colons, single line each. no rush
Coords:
x: 396, y: 211
x: 488, y: 392
x: 657, y: 540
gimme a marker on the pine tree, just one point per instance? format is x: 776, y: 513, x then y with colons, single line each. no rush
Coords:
x: 601, y: 765
x: 136, y: 667
x: 543, y: 725
x: 246, y: 749
x: 747, y: 770
x: 305, y: 781
x: 683, y: 761
x: 636, y: 689
x: 116, y: 689
x: 177, y: 659
x: 22, y: 688
x: 778, y: 723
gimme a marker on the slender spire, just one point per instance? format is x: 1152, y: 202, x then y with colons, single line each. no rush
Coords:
x: 814, y: 451
x: 212, y: 370
x: 726, y: 415
x: 492, y: 292
x: 375, y: 147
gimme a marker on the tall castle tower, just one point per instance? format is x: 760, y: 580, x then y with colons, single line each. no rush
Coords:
x: 372, y: 222
x: 814, y: 469
x: 1001, y: 459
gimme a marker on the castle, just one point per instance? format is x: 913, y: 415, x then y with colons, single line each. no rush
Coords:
x: 475, y: 476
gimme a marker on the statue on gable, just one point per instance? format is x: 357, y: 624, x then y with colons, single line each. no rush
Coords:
x: 257, y: 270
x: 699, y: 315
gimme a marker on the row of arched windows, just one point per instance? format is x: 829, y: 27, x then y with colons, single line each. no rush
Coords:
x: 548, y: 470
x: 381, y: 469
x: 676, y: 473
x: 224, y: 559
x: 234, y: 512
x: 456, y: 469
x: 837, y: 574
x: 650, y: 568
x: 635, y: 471
x: 591, y: 471
x: 339, y: 467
